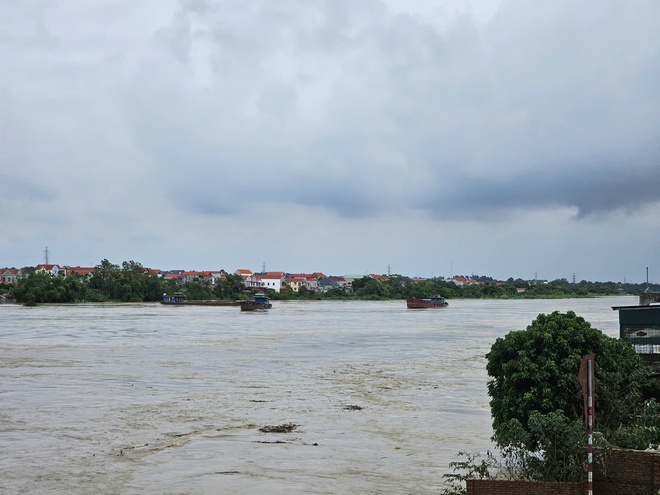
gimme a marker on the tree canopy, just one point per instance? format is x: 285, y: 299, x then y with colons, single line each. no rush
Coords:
x: 537, y: 370
x: 537, y: 406
x: 536, y: 399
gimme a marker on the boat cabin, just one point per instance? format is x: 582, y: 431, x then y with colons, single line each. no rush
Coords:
x: 261, y: 298
x: 174, y: 298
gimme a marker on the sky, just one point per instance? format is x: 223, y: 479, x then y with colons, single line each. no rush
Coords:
x: 423, y: 138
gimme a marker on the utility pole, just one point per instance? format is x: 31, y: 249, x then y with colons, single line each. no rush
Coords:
x: 586, y: 374
x: 46, y: 258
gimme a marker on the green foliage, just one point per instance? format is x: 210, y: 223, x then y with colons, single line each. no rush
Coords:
x: 536, y: 399
x: 537, y: 370
x: 373, y: 289
x: 229, y: 287
x: 129, y: 283
x: 40, y: 287
x: 644, y: 431
x: 198, y: 289
x: 473, y: 467
x: 560, y: 447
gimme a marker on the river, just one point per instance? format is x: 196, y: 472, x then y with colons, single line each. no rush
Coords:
x: 151, y: 399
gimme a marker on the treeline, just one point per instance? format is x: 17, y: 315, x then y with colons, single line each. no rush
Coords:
x: 131, y: 282
x: 401, y: 287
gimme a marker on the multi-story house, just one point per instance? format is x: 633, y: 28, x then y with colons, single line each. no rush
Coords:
x: 308, y: 280
x: 271, y: 280
x: 51, y: 269
x: 10, y: 275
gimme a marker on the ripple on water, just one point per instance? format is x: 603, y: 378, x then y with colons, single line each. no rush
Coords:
x: 142, y: 398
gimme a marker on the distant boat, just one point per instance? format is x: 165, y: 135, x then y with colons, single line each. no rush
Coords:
x: 260, y: 302
x: 178, y: 299
x: 431, y: 302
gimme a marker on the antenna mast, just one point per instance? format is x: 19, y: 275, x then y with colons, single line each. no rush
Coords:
x: 46, y: 256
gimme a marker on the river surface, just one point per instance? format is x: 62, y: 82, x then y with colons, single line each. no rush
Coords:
x: 151, y: 399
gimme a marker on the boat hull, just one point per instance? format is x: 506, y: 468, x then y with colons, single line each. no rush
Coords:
x: 259, y: 303
x: 434, y: 302
x: 254, y: 306
x: 201, y: 303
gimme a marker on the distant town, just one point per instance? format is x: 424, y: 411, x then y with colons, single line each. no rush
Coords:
x: 275, y: 280
x: 132, y: 282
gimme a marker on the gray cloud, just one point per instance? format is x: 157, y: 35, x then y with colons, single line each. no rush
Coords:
x: 417, y: 117
x: 278, y: 98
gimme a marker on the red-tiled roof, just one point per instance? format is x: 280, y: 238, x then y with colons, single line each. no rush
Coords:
x: 80, y: 270
x: 45, y: 267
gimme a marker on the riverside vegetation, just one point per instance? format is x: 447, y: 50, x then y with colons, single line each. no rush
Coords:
x: 131, y: 282
x: 538, y: 410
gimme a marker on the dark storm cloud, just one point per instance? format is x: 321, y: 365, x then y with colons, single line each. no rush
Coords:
x: 590, y: 192
x: 293, y: 101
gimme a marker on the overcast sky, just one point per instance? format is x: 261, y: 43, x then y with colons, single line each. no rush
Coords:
x: 425, y: 138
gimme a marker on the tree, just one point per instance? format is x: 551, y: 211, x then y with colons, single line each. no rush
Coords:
x: 229, y: 287
x: 537, y: 404
x: 535, y: 371
x: 372, y: 289
x: 40, y: 287
x: 199, y: 288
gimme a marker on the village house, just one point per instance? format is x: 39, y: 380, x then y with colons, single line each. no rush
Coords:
x: 327, y: 283
x: 298, y: 280
x: 271, y: 280
x: 463, y: 281
x: 10, y: 276
x: 189, y: 276
x: 243, y: 273
x: 341, y: 281
x: 50, y: 269
x: 295, y: 283
x: 81, y: 271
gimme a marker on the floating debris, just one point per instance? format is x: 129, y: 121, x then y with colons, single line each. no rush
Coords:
x: 353, y: 408
x: 285, y: 428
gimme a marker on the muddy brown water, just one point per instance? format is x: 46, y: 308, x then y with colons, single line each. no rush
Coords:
x: 308, y: 398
